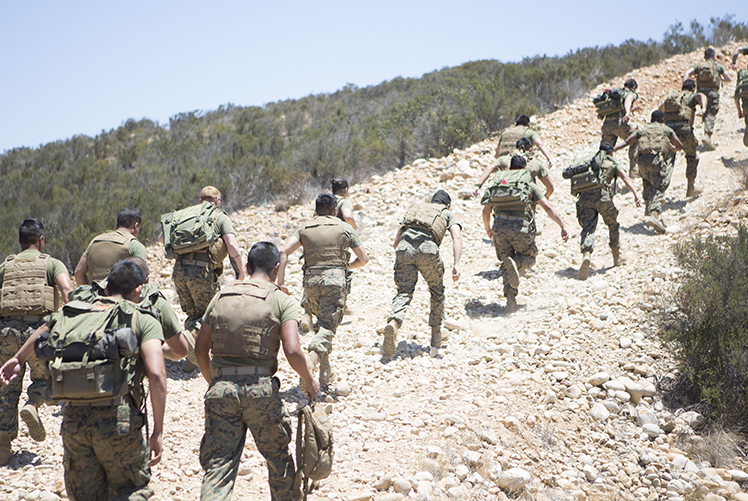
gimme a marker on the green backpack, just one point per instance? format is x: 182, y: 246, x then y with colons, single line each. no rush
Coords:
x: 586, y: 174
x: 741, y: 86
x: 609, y: 102
x: 190, y: 230
x: 85, y: 360
x: 508, y: 190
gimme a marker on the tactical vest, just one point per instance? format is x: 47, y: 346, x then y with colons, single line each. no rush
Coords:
x: 590, y: 174
x: 741, y: 86
x: 676, y: 107
x: 243, y: 322
x: 509, y: 191
x: 428, y: 217
x: 193, y: 229
x: 105, y: 251
x: 86, y: 360
x: 653, y: 140
x: 25, y: 291
x: 325, y: 243
x: 509, y: 138
x: 707, y: 75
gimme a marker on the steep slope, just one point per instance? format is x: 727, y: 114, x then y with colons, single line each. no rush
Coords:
x: 520, y: 391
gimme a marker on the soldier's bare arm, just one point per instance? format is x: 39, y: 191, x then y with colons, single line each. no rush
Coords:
x: 725, y: 76
x: 397, y: 237
x: 295, y: 355
x: 548, y: 208
x: 630, y: 185
x: 202, y: 350
x: 487, y: 220
x: 64, y: 285
x: 675, y: 142
x: 544, y: 151
x: 10, y: 370
x: 691, y: 72
x: 348, y: 217
x: 234, y: 254
x: 482, y: 179
x: 627, y: 104
x: 548, y: 186
x: 628, y: 142
x: 291, y: 245
x: 80, y: 271
x: 150, y: 353
x: 701, y: 98
x: 175, y: 348
x: 456, y: 233
x: 361, y: 258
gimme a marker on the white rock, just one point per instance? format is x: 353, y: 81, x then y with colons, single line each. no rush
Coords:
x: 462, y: 471
x: 590, y: 472
x: 680, y: 461
x: 343, y: 389
x: 458, y: 492
x: 424, y: 475
x: 434, y: 451
x: 424, y: 488
x: 549, y: 397
x: 510, y: 422
x: 614, y: 385
x: 472, y: 458
x: 542, y: 349
x: 625, y: 342
x: 646, y: 417
x: 692, y: 418
x: 402, y: 486
x: 599, y: 378
x: 514, y: 479
x: 573, y: 391
x: 652, y: 430
x: 599, y: 412
x: 455, y: 325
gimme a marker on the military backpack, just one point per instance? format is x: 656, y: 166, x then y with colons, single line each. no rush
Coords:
x: 508, y: 190
x: 25, y: 291
x: 707, y: 75
x: 193, y: 229
x: 609, y: 102
x: 85, y: 359
x: 653, y: 140
x: 588, y: 174
x: 741, y: 86
x: 676, y: 107
x: 314, y: 447
x: 428, y: 217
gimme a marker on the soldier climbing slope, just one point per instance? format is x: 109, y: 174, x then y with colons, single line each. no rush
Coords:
x: 614, y: 107
x: 417, y: 251
x: 741, y: 92
x: 536, y: 168
x: 521, y: 128
x: 30, y: 283
x: 709, y: 76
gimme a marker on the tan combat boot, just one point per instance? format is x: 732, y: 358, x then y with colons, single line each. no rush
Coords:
x: 312, y: 359
x: 511, y: 303
x: 436, y: 337
x: 618, y: 259
x: 305, y: 322
x: 706, y: 141
x: 325, y: 372
x: 655, y: 222
x: 388, y: 345
x: 4, y: 452
x: 692, y: 190
x: 512, y: 274
x: 30, y: 416
x: 584, y: 269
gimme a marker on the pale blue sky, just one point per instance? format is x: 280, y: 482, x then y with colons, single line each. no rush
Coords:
x: 77, y: 67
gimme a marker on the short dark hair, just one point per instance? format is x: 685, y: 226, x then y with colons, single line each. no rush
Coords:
x: 339, y: 185
x: 630, y: 83
x: 658, y: 116
x: 325, y: 204
x: 441, y: 197
x: 140, y: 262
x: 688, y: 85
x: 524, y: 144
x: 127, y: 217
x: 709, y: 53
x: 607, y: 147
x: 124, y: 278
x: 30, y: 232
x: 518, y: 162
x: 523, y: 120
x: 263, y: 256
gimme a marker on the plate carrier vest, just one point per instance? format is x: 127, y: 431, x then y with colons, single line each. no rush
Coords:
x: 707, y: 76
x: 105, y: 251
x: 676, y: 107
x: 25, y: 291
x: 325, y: 243
x: 427, y: 217
x: 509, y: 138
x: 653, y: 140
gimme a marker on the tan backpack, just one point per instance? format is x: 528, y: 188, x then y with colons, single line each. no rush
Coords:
x: 314, y: 447
x: 676, y: 107
x: 707, y: 75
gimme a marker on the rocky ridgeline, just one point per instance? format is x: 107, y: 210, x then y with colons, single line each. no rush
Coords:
x: 558, y: 401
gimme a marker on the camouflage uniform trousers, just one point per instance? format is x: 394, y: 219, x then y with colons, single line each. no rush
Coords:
x: 510, y: 240
x: 13, y: 333
x: 744, y: 103
x: 414, y: 255
x: 712, y: 108
x: 589, y: 206
x: 656, y: 173
x: 105, y: 453
x: 688, y: 139
x: 613, y: 129
x: 233, y: 404
x: 196, y: 286
x: 325, y: 295
x: 348, y: 282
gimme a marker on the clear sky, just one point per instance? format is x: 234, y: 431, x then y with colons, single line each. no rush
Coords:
x: 79, y: 67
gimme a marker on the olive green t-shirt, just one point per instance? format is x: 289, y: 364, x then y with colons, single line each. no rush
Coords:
x: 536, y: 167
x: 54, y: 266
x: 285, y: 308
x: 224, y: 226
x: 343, y: 203
x: 419, y: 233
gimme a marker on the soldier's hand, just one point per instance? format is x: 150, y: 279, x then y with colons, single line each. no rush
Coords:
x: 564, y: 234
x: 455, y: 273
x: 625, y: 119
x: 312, y: 387
x: 476, y: 192
x: 700, y: 113
x: 10, y: 370
x: 740, y: 114
x: 157, y: 448
x: 489, y: 233
x: 638, y: 201
x: 283, y: 289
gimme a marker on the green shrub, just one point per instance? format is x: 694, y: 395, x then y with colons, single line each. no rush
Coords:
x: 710, y: 326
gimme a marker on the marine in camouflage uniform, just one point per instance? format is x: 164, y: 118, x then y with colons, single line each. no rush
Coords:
x: 417, y: 251
x: 513, y: 231
x: 656, y: 159
x: 29, y: 268
x: 618, y: 125
x: 741, y: 103
x: 242, y: 392
x: 325, y: 240
x: 105, y: 453
x: 598, y: 201
x: 709, y: 86
x: 537, y: 169
x: 521, y: 129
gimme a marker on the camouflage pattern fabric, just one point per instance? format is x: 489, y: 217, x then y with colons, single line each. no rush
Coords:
x: 13, y: 333
x: 744, y: 104
x: 325, y: 295
x: 414, y: 255
x: 196, y: 287
x: 510, y: 241
x: 105, y: 453
x: 613, y: 129
x: 656, y: 173
x: 589, y: 206
x: 712, y: 108
x: 233, y: 404
x: 688, y: 139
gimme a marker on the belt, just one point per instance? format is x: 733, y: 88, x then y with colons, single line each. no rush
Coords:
x: 241, y: 371
x: 110, y: 402
x: 510, y: 218
x: 327, y: 271
x: 195, y: 262
x: 676, y: 124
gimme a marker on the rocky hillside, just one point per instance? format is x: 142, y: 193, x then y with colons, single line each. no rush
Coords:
x: 558, y: 401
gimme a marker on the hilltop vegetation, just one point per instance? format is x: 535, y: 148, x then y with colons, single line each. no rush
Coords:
x: 288, y: 149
